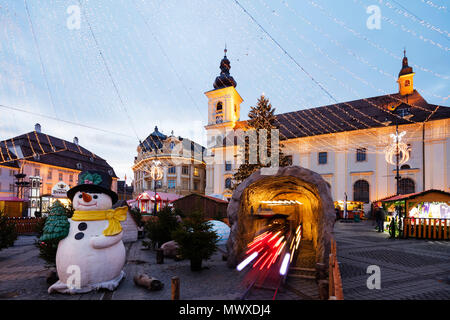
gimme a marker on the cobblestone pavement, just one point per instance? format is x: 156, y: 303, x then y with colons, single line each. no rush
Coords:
x: 410, y: 268
x: 23, y: 276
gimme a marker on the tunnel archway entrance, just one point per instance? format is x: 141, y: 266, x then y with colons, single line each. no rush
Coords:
x: 297, y: 196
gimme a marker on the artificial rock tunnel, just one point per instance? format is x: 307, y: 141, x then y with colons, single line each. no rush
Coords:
x: 310, y: 205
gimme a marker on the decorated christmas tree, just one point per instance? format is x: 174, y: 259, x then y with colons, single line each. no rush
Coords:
x: 262, y: 116
x: 56, y: 227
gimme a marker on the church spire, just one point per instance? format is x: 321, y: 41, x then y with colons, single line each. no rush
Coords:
x: 405, y: 77
x: 225, y: 79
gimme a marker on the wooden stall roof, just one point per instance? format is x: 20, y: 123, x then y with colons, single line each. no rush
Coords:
x: 439, y: 195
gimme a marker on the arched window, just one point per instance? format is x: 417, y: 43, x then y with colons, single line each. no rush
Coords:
x: 406, y: 186
x: 228, y: 183
x: 407, y: 83
x: 219, y: 106
x: 361, y: 191
x: 405, y: 166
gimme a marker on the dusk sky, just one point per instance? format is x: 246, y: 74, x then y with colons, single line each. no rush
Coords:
x: 134, y: 64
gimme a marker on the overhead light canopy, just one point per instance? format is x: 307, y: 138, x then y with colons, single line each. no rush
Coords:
x: 281, y: 202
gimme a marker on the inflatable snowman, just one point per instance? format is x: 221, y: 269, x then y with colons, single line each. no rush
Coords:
x: 92, y: 255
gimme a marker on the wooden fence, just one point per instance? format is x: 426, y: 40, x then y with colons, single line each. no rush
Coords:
x: 426, y: 228
x: 25, y: 225
x: 334, y: 275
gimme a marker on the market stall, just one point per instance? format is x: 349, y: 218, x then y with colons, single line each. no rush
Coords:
x: 423, y: 214
x: 13, y: 206
x: 146, y: 201
x: 354, y: 208
x: 58, y: 192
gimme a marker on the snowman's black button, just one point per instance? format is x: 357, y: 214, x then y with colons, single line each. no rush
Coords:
x: 82, y: 226
x: 79, y: 236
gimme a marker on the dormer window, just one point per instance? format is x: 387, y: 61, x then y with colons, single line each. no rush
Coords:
x: 219, y: 107
x: 79, y: 166
x: 172, y: 145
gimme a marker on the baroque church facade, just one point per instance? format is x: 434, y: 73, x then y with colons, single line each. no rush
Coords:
x: 345, y: 143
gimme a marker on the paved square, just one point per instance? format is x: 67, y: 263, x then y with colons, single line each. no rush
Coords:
x: 410, y: 269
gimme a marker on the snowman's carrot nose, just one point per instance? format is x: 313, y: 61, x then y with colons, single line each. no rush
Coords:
x: 86, y: 197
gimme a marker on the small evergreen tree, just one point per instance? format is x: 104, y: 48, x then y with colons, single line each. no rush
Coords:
x: 8, y: 232
x: 55, y: 228
x: 196, y: 239
x: 262, y: 116
x: 160, y: 230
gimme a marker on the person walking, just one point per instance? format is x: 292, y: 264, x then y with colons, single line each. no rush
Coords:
x: 376, y: 213
x: 381, y: 218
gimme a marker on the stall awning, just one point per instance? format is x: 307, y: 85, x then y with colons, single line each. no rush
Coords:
x: 410, y: 196
x: 144, y: 197
x: 12, y: 199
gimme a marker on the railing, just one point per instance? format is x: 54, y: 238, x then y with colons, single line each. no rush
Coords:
x: 25, y: 225
x: 334, y: 276
x: 426, y: 228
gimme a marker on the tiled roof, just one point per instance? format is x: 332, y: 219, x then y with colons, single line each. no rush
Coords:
x: 348, y: 116
x: 156, y: 141
x: 38, y: 147
x: 370, y: 112
x: 410, y: 195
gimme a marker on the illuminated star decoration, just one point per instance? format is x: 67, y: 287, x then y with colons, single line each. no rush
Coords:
x: 397, y: 147
x: 156, y: 171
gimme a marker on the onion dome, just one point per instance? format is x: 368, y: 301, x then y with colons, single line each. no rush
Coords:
x: 154, y: 141
x: 405, y: 68
x: 224, y: 80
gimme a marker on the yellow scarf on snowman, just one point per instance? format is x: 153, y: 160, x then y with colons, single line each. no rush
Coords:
x: 114, y: 216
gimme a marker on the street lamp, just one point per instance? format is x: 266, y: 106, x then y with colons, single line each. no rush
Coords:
x: 156, y: 173
x: 400, y: 151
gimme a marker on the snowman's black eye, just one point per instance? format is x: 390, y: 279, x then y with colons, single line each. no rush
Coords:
x: 95, y: 196
x: 80, y: 196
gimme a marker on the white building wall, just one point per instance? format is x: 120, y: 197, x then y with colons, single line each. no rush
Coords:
x: 6, y: 179
x: 342, y: 169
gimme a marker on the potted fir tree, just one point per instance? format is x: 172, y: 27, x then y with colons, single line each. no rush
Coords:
x: 196, y: 239
x: 8, y: 232
x: 159, y: 229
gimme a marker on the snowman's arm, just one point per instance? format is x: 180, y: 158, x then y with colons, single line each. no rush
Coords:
x: 102, y: 241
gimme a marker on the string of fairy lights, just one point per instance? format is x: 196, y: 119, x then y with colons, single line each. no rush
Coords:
x: 407, y: 13
x: 435, y: 6
x: 366, y: 82
x: 391, y: 96
x: 320, y: 119
x: 405, y: 29
x: 352, y: 54
x: 381, y: 108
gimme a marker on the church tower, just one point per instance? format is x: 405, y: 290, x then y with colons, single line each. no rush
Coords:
x: 224, y: 106
x: 405, y: 78
x: 223, y: 101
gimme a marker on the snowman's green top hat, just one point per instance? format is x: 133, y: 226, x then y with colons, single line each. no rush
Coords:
x: 95, y: 182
